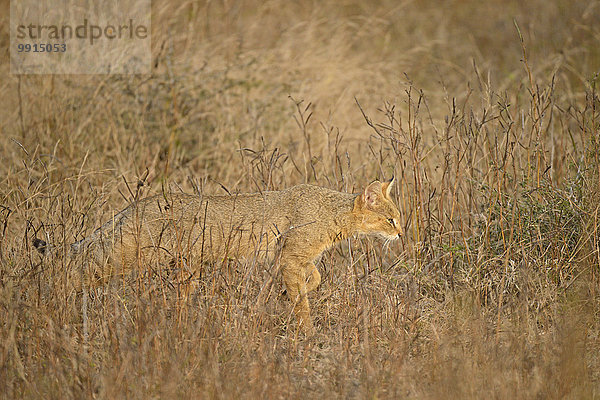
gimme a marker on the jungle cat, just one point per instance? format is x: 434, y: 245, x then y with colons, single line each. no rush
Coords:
x: 297, y: 224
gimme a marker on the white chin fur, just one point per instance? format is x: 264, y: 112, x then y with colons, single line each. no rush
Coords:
x: 388, y: 236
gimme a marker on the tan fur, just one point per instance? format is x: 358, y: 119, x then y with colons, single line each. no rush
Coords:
x: 298, y: 223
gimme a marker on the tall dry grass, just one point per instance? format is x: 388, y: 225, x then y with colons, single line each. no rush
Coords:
x: 488, y: 115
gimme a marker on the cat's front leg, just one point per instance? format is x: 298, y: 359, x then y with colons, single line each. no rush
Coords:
x: 295, y: 282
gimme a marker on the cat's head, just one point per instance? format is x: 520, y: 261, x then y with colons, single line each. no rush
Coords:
x: 376, y: 212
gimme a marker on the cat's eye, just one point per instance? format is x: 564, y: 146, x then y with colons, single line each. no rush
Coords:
x: 392, y: 222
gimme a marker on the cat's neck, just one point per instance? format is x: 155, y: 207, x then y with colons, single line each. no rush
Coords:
x: 346, y: 222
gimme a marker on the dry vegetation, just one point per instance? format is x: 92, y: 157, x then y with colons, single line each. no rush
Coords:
x: 491, y: 130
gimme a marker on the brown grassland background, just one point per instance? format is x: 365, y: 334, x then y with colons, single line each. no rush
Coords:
x: 487, y: 113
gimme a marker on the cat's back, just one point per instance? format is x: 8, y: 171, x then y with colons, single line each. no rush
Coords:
x: 309, y: 202
x: 292, y: 205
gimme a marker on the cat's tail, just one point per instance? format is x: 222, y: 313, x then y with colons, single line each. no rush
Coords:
x: 42, y: 246
x: 45, y: 248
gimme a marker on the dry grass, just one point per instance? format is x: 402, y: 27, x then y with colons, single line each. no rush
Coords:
x: 493, y: 291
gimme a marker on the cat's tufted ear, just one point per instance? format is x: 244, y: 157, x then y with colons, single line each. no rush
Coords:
x: 372, y: 193
x: 386, y: 187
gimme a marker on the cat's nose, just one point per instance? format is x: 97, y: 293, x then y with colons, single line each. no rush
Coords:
x: 399, y: 235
